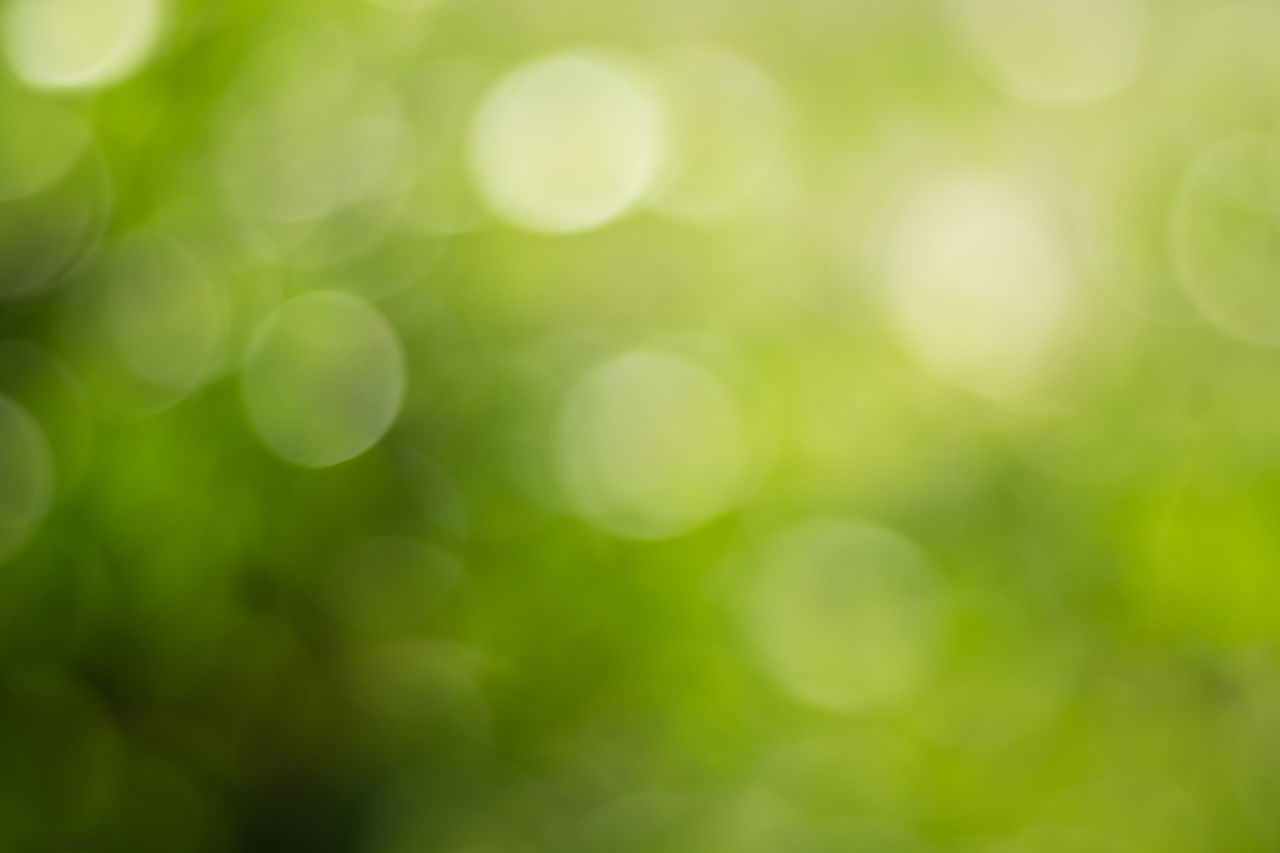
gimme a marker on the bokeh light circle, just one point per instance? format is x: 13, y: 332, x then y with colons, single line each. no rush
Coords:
x: 1223, y: 233
x: 46, y: 232
x: 79, y: 44
x: 567, y: 143
x: 26, y: 474
x: 979, y: 283
x: 324, y: 378
x: 42, y: 140
x: 844, y: 614
x: 652, y: 445
x: 728, y: 131
x: 1056, y: 52
x: 164, y: 315
x: 302, y: 147
x: 52, y: 394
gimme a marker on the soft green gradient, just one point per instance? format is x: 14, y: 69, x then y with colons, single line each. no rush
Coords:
x: 679, y: 426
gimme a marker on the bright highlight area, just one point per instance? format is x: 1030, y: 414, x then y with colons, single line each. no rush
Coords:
x: 844, y: 614
x: 652, y: 445
x: 567, y: 143
x: 639, y: 426
x: 79, y: 44
x: 1058, y: 52
x: 979, y: 280
x: 324, y: 378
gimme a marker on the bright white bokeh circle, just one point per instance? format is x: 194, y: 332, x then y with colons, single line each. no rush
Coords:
x: 324, y: 378
x: 979, y: 279
x: 652, y: 445
x: 844, y: 615
x: 567, y: 143
x: 79, y: 44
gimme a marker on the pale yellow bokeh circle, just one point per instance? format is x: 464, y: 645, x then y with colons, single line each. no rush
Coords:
x: 79, y: 44
x: 567, y: 143
x: 652, y: 445
x: 324, y: 378
x: 1050, y: 51
x: 980, y: 280
x: 843, y: 614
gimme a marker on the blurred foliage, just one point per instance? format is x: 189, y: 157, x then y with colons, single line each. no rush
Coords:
x: 495, y: 426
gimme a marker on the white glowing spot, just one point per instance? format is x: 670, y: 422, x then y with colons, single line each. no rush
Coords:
x: 324, y: 378
x: 726, y: 136
x: 652, y: 445
x: 1059, y: 52
x: 162, y: 312
x: 39, y: 144
x: 844, y: 614
x: 979, y: 281
x: 26, y: 475
x: 78, y: 44
x: 1224, y: 232
x: 567, y: 143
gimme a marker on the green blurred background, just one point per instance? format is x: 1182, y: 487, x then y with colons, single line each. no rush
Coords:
x: 496, y: 426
